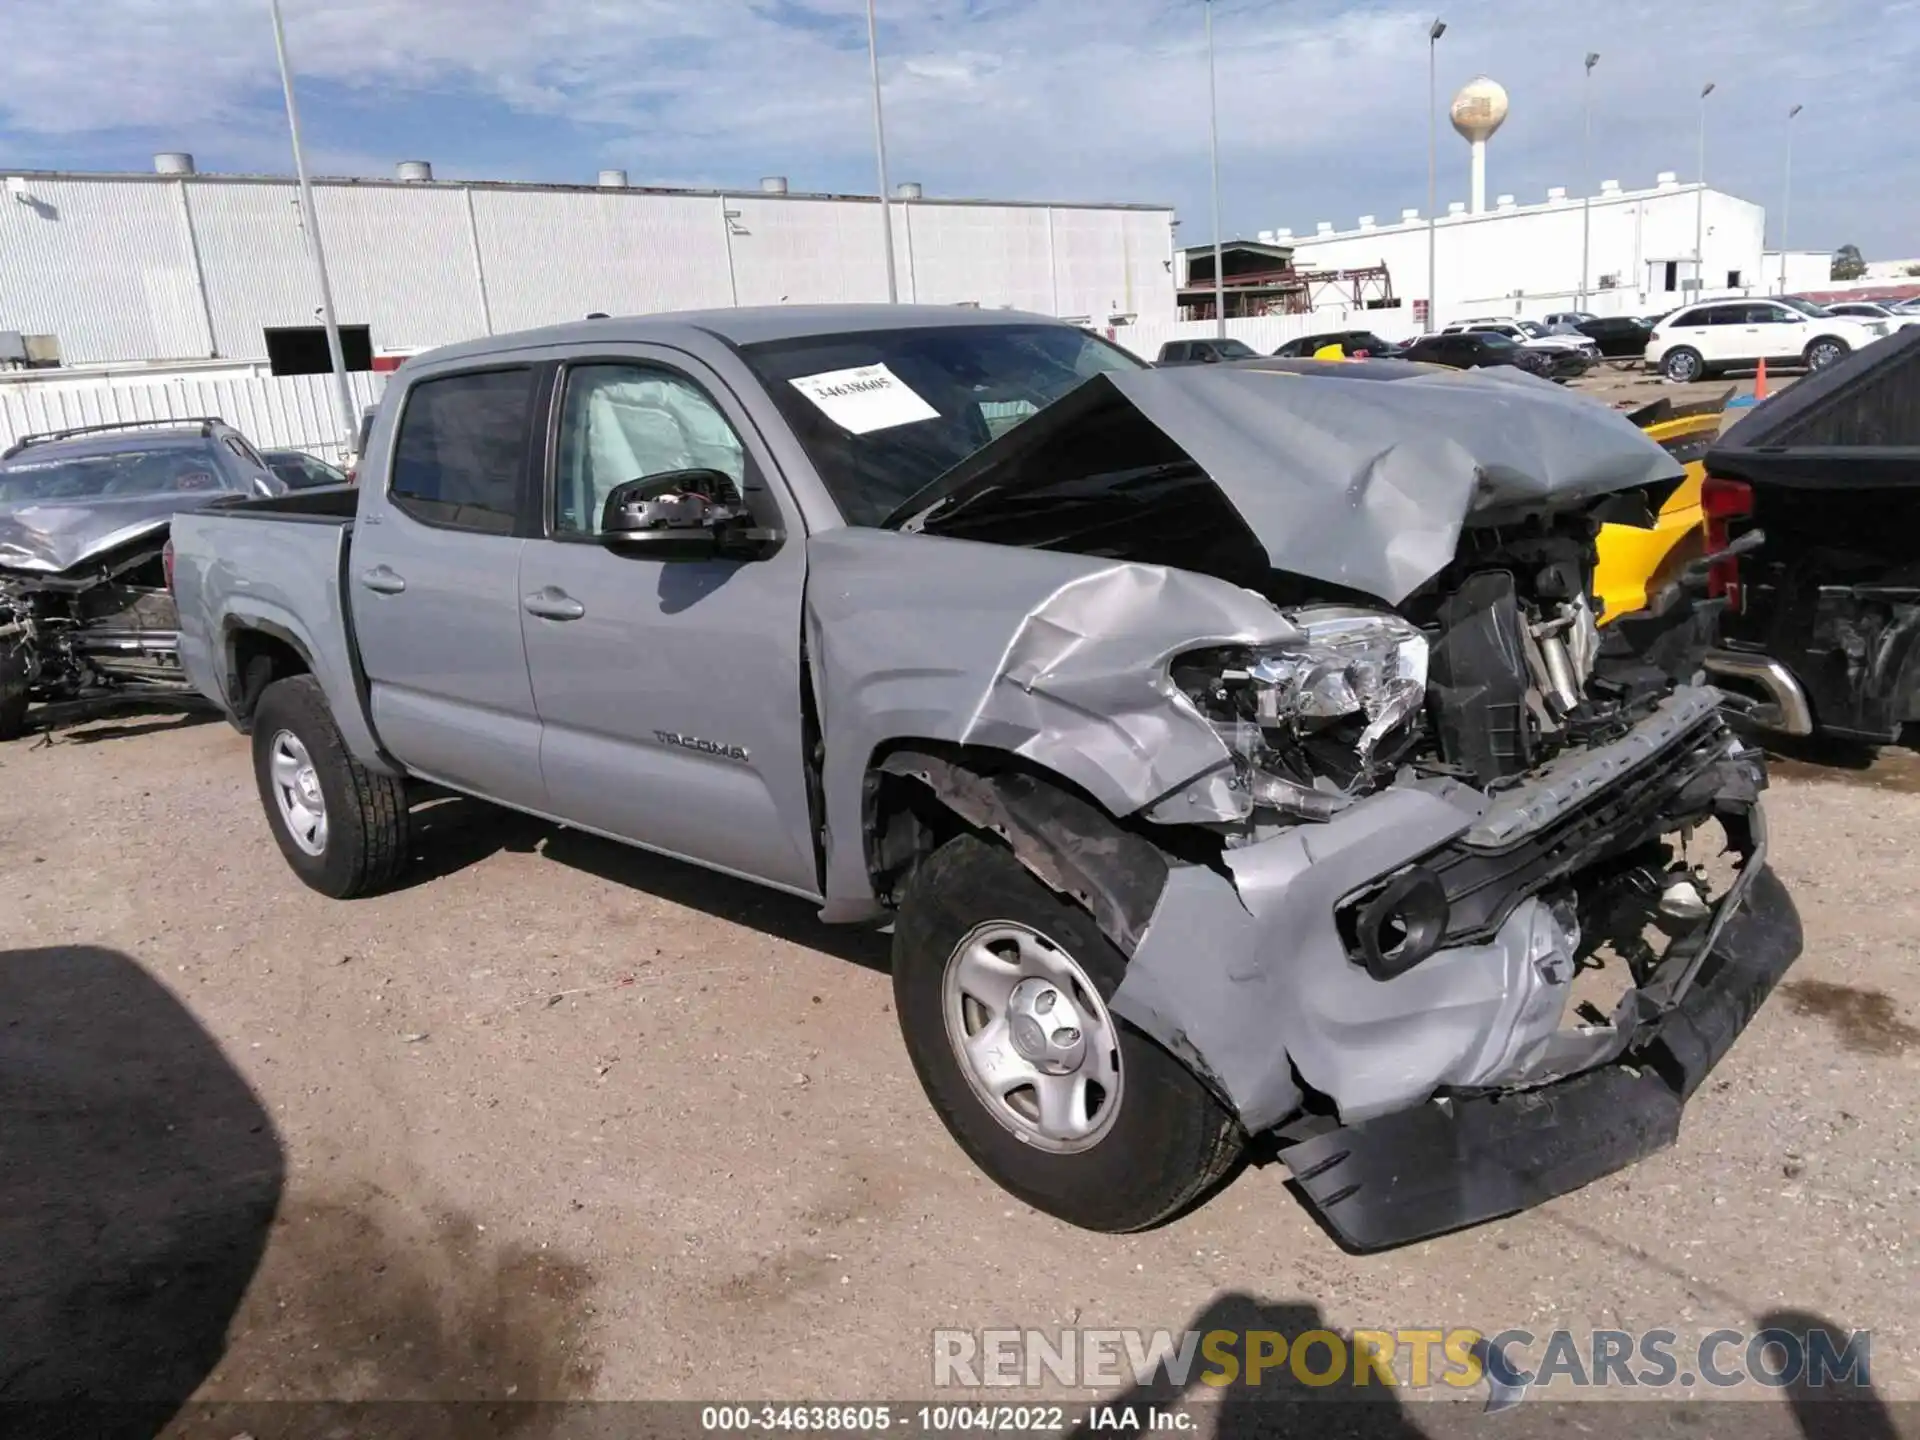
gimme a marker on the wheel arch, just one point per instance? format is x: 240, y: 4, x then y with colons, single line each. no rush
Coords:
x: 918, y: 794
x: 258, y: 652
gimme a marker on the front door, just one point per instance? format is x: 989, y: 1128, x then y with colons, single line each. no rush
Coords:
x: 668, y: 688
x: 1775, y: 331
x: 433, y: 585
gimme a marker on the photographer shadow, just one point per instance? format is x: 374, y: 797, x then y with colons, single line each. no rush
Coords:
x: 140, y: 1177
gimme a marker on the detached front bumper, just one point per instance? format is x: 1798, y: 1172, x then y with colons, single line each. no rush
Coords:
x: 1452, y: 1163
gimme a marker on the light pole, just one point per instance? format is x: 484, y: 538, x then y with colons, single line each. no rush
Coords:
x: 1219, y: 248
x: 880, y: 149
x: 1434, y: 32
x: 1586, y: 165
x: 1700, y: 201
x: 1786, y: 198
x: 343, y: 393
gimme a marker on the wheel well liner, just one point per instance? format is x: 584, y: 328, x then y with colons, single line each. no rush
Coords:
x: 1068, y: 843
x: 259, y: 653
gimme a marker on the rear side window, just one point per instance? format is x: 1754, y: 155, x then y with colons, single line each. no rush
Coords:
x: 460, y: 459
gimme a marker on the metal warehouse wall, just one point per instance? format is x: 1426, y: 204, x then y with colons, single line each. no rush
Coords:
x: 130, y: 267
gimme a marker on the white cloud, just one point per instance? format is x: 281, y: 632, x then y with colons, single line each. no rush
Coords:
x: 1323, y: 108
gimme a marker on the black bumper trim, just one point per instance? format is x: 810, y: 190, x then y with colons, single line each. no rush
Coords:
x: 1440, y: 1167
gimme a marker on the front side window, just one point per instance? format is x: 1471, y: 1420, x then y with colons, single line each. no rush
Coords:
x: 636, y: 422
x: 461, y: 455
x: 884, y: 413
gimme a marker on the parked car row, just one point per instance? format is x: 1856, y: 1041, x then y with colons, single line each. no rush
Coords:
x: 1237, y: 771
x: 85, y: 514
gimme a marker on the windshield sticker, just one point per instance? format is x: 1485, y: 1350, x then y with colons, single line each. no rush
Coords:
x: 865, y: 399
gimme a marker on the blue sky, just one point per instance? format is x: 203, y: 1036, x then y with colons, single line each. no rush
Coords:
x: 1323, y: 105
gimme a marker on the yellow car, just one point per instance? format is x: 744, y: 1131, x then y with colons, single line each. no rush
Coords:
x: 1634, y: 563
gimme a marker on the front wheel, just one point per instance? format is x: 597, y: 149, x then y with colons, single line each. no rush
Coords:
x: 1824, y: 351
x: 1002, y: 988
x: 343, y: 829
x: 1683, y: 364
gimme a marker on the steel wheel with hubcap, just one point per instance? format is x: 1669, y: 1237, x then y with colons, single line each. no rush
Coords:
x: 1033, y: 1037
x: 296, y: 786
x: 342, y: 827
x: 1003, y: 989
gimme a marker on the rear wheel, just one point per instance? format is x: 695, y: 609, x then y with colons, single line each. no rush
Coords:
x: 1824, y: 351
x: 342, y: 828
x: 1683, y: 363
x: 1003, y: 989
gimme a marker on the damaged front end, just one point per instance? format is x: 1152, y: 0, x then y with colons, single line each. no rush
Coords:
x: 102, y: 630
x: 1405, y: 865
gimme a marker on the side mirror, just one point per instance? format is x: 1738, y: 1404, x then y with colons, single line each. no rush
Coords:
x: 676, y: 514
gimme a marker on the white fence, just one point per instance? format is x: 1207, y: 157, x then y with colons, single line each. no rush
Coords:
x: 293, y: 412
x: 1267, y: 333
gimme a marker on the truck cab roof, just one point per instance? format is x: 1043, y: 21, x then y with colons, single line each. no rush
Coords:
x: 749, y: 325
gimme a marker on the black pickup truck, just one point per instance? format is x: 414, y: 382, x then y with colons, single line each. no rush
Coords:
x: 1826, y: 614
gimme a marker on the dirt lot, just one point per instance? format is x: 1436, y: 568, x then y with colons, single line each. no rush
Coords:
x: 564, y: 1120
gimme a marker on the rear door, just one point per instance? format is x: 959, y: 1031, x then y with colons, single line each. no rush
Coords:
x: 668, y: 687
x: 1693, y: 329
x: 433, y: 577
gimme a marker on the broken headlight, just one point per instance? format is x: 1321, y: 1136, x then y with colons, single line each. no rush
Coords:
x: 1316, y: 722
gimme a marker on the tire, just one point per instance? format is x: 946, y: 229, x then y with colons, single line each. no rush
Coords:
x: 1683, y: 363
x: 13, y: 696
x: 1163, y: 1139
x: 361, y: 845
x: 1824, y: 351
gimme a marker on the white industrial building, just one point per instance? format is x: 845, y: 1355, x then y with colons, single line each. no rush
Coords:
x: 1617, y: 252
x: 178, y: 265
x: 1514, y: 259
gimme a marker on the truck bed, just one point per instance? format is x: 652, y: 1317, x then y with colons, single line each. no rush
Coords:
x: 274, y: 566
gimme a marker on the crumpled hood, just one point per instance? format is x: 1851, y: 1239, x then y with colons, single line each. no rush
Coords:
x: 1357, y: 474
x: 52, y: 537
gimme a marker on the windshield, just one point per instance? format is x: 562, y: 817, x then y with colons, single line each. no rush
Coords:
x: 884, y: 413
x: 1530, y: 327
x: 1805, y: 307
x: 174, y: 470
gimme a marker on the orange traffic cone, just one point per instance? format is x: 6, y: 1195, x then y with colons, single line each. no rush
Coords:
x: 1760, y: 382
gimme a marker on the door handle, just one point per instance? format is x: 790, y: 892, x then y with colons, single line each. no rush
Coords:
x: 382, y: 581
x: 553, y: 603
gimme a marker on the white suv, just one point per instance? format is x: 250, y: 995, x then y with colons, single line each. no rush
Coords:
x: 1698, y: 339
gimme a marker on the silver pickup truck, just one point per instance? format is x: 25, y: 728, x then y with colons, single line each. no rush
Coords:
x: 1232, y: 748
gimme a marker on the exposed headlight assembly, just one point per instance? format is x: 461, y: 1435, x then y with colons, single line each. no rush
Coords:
x: 1351, y: 662
x: 1307, y: 719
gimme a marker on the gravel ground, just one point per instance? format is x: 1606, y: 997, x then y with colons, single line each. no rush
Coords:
x: 565, y: 1120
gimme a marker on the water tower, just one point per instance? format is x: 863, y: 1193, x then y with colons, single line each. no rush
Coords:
x: 1477, y: 112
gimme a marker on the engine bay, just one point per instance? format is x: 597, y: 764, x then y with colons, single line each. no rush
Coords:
x: 105, y: 629
x: 1491, y: 669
